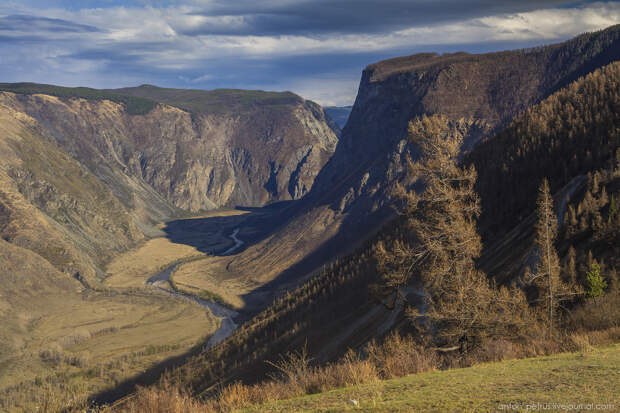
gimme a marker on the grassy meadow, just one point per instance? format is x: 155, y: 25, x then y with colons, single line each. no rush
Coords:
x: 91, y: 341
x: 587, y: 377
x: 135, y: 267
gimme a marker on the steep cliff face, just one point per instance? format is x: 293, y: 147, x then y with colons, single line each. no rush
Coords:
x: 482, y: 92
x: 255, y: 147
x: 215, y: 156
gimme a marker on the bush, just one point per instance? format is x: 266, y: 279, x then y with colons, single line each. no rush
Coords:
x: 75, y: 338
x: 56, y: 356
x: 399, y: 356
x: 596, y: 314
x: 53, y: 355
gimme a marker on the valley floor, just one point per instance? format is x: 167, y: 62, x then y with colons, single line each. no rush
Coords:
x: 582, y: 381
x: 200, y: 246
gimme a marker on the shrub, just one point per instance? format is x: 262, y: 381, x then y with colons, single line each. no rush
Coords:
x: 53, y: 355
x: 599, y: 314
x: 399, y: 356
x: 595, y: 283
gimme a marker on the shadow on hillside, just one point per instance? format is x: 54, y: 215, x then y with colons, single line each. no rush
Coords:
x: 213, y: 235
x: 147, y: 378
x: 342, y: 243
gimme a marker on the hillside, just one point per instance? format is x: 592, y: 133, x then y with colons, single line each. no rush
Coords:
x: 51, y: 205
x: 342, y: 306
x: 487, y: 387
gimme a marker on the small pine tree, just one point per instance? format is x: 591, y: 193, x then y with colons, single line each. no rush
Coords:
x: 595, y: 182
x: 589, y: 203
x: 570, y: 222
x: 603, y: 198
x: 595, y: 283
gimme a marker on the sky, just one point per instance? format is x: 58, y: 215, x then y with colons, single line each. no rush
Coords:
x: 315, y: 48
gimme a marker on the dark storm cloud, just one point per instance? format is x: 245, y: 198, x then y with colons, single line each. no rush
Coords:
x: 323, y: 17
x: 33, y: 24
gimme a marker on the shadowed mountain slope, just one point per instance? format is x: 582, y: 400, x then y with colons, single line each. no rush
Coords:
x: 350, y: 198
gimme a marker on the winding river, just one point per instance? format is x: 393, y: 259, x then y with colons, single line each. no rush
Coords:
x: 225, y: 314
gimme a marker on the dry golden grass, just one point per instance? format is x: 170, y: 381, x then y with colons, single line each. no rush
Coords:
x: 222, y: 212
x: 74, y: 342
x: 100, y: 328
x: 150, y: 399
x: 134, y: 268
x: 413, y: 379
x: 210, y: 274
x: 147, y: 322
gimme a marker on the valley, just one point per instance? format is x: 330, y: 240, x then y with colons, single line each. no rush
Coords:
x: 240, y: 249
x: 83, y: 231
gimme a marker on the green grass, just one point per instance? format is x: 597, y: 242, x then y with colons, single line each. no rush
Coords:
x: 134, y: 105
x: 212, y: 101
x: 571, y: 378
x: 141, y: 100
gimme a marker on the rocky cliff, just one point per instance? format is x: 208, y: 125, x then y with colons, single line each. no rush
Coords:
x: 244, y: 148
x: 267, y: 148
x: 482, y: 92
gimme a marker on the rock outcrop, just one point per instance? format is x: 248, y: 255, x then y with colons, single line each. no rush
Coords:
x: 482, y: 93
